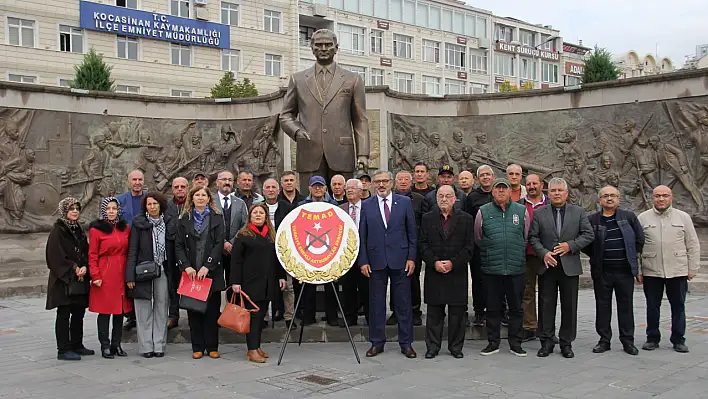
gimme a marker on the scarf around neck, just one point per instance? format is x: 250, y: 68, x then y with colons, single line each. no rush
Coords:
x: 158, y: 235
x: 102, y: 210
x: 262, y: 231
x: 199, y: 217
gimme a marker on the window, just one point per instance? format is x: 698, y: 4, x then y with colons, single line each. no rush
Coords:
x: 22, y: 78
x: 229, y: 13
x: 230, y: 60
x: 481, y: 27
x: 447, y: 20
x: 527, y: 38
x: 181, y: 54
x: 527, y: 69
x: 409, y: 12
x: 351, y: 39
x: 431, y: 85
x: 549, y: 73
x: 306, y: 33
x: 458, y: 23
x: 271, y: 21
x: 134, y: 90
x: 377, y: 42
x: 455, y: 56
x: 71, y: 39
x: 361, y: 71
x: 127, y: 3
x: 179, y: 8
x: 396, y: 9
x: 431, y: 51
x: 573, y: 80
x: 127, y: 47
x: 504, y: 33
x: 403, y: 82
x: 434, y: 17
x: 273, y: 64
x: 376, y: 77
x: 181, y: 93
x: 367, y: 7
x: 477, y: 88
x: 423, y: 17
x: 402, y: 46
x: 381, y: 9
x: 454, y: 86
x: 21, y: 32
x: 351, y: 6
x: 546, y: 44
x: 504, y: 64
x: 478, y: 62
x: 64, y: 82
x: 470, y: 25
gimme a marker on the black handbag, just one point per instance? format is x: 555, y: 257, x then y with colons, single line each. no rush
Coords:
x: 191, y: 304
x: 78, y: 288
x: 146, y: 271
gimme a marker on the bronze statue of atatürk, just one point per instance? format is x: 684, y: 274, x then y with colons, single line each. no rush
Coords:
x: 324, y: 111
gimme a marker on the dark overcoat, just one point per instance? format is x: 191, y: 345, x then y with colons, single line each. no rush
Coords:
x: 141, y: 249
x: 255, y: 267
x: 65, y: 251
x: 186, y: 248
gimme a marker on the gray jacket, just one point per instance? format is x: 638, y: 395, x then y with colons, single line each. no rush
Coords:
x: 239, y: 214
x: 576, y: 231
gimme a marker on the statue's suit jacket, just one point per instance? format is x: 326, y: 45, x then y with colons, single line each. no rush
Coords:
x: 336, y: 124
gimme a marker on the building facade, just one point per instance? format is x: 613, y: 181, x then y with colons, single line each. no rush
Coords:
x: 574, y: 63
x: 182, y: 47
x: 631, y: 65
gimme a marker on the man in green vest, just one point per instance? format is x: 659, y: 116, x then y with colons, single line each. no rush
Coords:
x: 500, y: 230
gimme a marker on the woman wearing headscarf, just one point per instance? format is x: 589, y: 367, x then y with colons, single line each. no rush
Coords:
x: 256, y: 270
x: 151, y: 240
x: 68, y: 285
x: 108, y: 251
x: 199, y: 246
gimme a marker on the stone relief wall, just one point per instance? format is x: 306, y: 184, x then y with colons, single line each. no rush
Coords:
x: 47, y: 155
x: 633, y: 146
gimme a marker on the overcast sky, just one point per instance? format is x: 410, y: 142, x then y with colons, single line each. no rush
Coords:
x: 675, y: 26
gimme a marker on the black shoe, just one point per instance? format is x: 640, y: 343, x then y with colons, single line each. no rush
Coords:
x: 392, y: 321
x: 681, y: 348
x: 545, y: 351
x: 323, y: 318
x: 159, y: 354
x: 478, y: 320
x: 631, y: 349
x: 69, y: 356
x: 417, y: 320
x: 528, y: 335
x: 106, y: 353
x: 333, y: 322
x: 650, y: 346
x: 118, y: 351
x: 490, y: 350
x: 601, y: 347
x: 517, y: 350
x: 350, y: 323
x: 309, y: 322
x: 148, y: 355
x: 457, y: 354
x: 129, y: 324
x: 567, y: 352
x: 431, y: 354
x: 278, y: 316
x: 83, y: 351
x: 289, y: 322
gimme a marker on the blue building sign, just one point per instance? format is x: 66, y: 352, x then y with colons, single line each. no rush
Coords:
x: 129, y: 22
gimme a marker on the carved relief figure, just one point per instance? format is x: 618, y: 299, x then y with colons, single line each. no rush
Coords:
x: 606, y: 176
x: 398, y: 157
x: 572, y: 153
x: 9, y: 139
x: 438, y: 156
x: 15, y: 174
x: 673, y: 160
x: 455, y: 148
x: 92, y: 171
x: 268, y: 149
x: 483, y: 148
x: 418, y: 151
x: 467, y: 163
x: 217, y: 153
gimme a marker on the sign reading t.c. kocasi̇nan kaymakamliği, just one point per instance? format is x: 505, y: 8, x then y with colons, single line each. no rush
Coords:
x: 150, y: 25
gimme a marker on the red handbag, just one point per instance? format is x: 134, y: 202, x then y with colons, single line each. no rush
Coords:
x: 237, y: 317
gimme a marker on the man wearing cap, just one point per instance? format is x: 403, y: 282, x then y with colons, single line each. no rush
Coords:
x: 245, y: 189
x: 446, y: 177
x: 500, y: 231
x: 200, y: 179
x: 318, y: 193
x: 365, y: 180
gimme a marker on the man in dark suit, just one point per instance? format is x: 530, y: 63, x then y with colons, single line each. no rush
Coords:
x: 324, y: 111
x: 354, y: 283
x: 446, y: 245
x: 388, y: 249
x: 559, y: 232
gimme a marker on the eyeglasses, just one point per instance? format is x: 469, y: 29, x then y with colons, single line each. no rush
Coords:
x: 225, y: 179
x: 447, y: 196
x: 606, y: 196
x: 75, y: 208
x: 382, y: 181
x: 665, y: 196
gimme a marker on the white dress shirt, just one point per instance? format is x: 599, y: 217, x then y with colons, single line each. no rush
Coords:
x: 221, y: 199
x: 358, y: 212
x: 389, y: 201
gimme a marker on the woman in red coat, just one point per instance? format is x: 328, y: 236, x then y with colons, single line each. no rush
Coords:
x: 108, y: 252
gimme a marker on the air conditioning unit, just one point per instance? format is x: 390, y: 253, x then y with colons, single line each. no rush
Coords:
x: 320, y: 10
x: 200, y: 2
x: 201, y: 14
x: 483, y: 43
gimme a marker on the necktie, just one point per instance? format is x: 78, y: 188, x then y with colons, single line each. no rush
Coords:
x: 226, y: 203
x: 353, y: 213
x: 559, y: 222
x: 322, y: 79
x: 387, y: 211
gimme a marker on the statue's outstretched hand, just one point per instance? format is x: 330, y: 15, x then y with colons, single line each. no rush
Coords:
x: 301, y: 134
x: 362, y: 163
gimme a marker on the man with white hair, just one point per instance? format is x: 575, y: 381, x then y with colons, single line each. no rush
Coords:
x: 336, y: 183
x: 354, y: 284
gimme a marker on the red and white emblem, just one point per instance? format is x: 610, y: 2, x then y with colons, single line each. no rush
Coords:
x: 317, y: 236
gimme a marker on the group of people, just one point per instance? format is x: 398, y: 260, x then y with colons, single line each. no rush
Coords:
x: 507, y: 234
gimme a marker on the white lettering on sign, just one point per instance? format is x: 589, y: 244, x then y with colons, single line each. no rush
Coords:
x: 575, y: 68
x: 158, y: 27
x: 528, y: 51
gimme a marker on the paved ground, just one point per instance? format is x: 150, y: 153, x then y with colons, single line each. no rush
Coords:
x: 29, y: 368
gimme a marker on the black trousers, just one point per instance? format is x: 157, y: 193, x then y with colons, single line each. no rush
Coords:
x: 554, y: 281
x: 173, y: 277
x: 69, y: 327
x: 226, y: 261
x: 456, y: 328
x: 501, y: 289
x: 253, y: 338
x: 354, y: 286
x: 204, y: 327
x: 309, y: 303
x: 622, y: 283
x: 415, y: 291
x: 676, y: 289
x: 103, y: 321
x: 478, y: 295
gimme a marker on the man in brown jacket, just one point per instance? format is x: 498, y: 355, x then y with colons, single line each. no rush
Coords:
x: 324, y: 111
